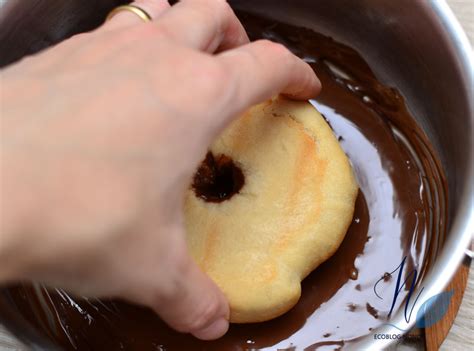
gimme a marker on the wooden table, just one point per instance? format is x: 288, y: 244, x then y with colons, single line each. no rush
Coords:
x: 460, y: 337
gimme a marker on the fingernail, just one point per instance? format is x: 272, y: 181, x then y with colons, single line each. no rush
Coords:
x: 213, y: 331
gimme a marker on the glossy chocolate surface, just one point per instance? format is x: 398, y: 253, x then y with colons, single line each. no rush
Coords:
x: 400, y: 208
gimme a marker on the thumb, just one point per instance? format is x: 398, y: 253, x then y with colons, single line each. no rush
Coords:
x: 194, y: 304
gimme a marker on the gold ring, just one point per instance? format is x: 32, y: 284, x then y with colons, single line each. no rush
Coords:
x: 144, y: 16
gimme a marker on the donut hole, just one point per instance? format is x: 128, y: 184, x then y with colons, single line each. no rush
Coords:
x: 217, y: 178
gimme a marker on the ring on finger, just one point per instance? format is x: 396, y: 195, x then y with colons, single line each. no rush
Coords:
x: 138, y: 11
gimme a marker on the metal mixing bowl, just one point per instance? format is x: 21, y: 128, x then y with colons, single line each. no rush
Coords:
x: 416, y: 46
x: 419, y: 48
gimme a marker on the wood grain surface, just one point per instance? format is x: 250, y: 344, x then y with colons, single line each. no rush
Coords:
x: 437, y: 333
x: 460, y: 335
x: 464, y: 11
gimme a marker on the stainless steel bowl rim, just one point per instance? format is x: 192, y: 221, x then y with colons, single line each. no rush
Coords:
x: 462, y: 228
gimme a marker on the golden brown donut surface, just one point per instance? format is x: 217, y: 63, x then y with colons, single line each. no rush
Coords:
x: 287, y: 215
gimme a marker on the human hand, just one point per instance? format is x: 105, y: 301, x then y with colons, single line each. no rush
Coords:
x: 100, y: 138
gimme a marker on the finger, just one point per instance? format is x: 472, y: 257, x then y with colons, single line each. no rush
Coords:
x: 206, y: 25
x: 126, y: 18
x: 263, y: 69
x: 195, y: 305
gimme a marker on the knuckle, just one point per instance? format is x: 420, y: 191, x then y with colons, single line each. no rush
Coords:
x: 143, y: 33
x: 221, y: 4
x: 172, y: 288
x: 216, y: 9
x: 77, y: 38
x: 203, y: 316
x: 274, y: 47
x: 147, y: 30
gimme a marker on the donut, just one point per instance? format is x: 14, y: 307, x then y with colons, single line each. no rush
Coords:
x: 271, y: 201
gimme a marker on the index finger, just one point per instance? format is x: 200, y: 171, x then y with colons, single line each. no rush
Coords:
x: 206, y: 25
x: 263, y: 69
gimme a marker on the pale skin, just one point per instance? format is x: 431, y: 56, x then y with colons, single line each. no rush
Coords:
x: 100, y: 137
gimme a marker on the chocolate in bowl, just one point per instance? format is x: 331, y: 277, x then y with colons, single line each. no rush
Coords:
x: 400, y: 212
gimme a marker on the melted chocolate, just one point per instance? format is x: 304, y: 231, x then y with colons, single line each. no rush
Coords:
x: 217, y: 178
x: 401, y: 204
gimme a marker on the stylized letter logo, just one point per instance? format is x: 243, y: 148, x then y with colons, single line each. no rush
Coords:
x: 430, y: 312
